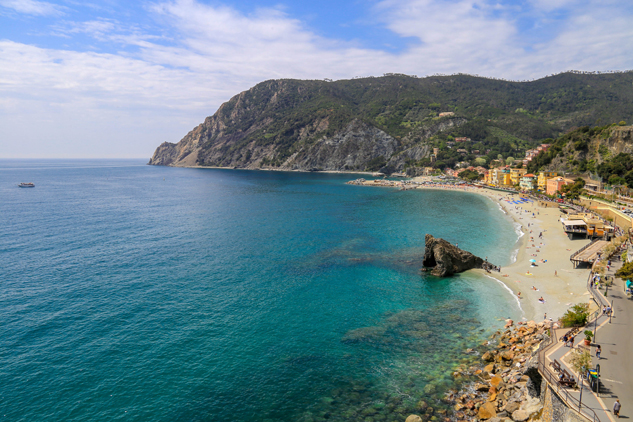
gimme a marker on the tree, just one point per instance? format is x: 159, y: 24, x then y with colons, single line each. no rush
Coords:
x: 509, y: 160
x: 573, y: 191
x: 581, y: 361
x: 576, y: 315
x: 480, y: 161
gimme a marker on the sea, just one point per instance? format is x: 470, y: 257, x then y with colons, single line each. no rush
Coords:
x: 139, y: 293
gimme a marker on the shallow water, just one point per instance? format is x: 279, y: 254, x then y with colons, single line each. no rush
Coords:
x: 151, y: 293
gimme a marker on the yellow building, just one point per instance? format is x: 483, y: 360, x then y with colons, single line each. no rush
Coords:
x: 516, y: 174
x: 543, y: 176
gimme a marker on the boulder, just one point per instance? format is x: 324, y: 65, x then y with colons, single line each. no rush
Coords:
x: 413, y: 418
x: 488, y: 357
x: 520, y: 415
x: 496, y: 382
x: 487, y: 411
x: 447, y: 259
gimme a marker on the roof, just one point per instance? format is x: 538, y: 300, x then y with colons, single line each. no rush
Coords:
x: 529, y: 175
x: 574, y: 223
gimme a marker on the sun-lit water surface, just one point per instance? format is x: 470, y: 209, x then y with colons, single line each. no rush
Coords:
x: 131, y: 292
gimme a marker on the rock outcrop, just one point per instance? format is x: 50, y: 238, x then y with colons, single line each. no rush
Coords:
x: 447, y: 259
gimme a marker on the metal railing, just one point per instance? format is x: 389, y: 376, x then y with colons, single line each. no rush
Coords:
x: 571, y: 401
x: 552, y: 379
x: 571, y: 257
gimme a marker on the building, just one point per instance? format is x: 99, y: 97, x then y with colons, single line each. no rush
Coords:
x: 433, y: 158
x: 462, y: 151
x: 436, y: 151
x: 500, y: 177
x: 515, y: 175
x: 447, y: 114
x: 542, y: 179
x: 554, y: 184
x: 527, y: 181
x: 462, y: 139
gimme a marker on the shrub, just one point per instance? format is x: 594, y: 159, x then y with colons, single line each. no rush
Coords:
x: 577, y: 315
x: 626, y: 272
x: 581, y: 361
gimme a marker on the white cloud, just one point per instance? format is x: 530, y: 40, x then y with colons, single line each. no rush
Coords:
x: 32, y: 7
x: 166, y: 81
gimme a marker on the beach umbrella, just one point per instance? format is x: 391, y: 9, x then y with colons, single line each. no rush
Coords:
x: 532, y: 260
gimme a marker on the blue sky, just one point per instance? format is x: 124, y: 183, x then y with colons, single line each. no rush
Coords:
x: 116, y: 78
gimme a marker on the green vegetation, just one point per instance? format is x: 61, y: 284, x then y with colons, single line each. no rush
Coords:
x: 582, y: 150
x: 588, y: 334
x: 573, y: 191
x: 470, y: 175
x: 581, y: 361
x: 618, y: 170
x: 500, y: 117
x: 576, y: 316
x: 626, y: 272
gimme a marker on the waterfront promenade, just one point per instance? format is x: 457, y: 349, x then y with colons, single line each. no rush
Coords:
x: 616, y: 370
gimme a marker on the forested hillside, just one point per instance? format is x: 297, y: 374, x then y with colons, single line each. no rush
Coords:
x: 392, y: 122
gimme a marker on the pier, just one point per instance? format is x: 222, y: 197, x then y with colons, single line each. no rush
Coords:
x: 589, y: 253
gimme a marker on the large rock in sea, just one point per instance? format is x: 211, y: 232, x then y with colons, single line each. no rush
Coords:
x: 447, y: 259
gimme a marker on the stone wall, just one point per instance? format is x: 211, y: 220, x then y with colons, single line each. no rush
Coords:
x: 555, y: 410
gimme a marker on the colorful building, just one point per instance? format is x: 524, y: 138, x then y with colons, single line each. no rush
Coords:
x: 527, y: 181
x: 515, y: 175
x: 554, y: 184
x: 543, y: 176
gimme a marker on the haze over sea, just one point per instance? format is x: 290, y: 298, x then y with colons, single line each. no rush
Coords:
x: 133, y: 292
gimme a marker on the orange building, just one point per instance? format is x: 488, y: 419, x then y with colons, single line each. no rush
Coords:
x: 554, y: 184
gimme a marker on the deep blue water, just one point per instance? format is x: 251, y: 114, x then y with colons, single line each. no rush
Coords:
x: 132, y: 292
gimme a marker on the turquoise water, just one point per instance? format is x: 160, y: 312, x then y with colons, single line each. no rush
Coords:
x: 131, y: 292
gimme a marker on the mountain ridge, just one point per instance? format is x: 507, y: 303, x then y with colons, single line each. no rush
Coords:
x: 391, y: 123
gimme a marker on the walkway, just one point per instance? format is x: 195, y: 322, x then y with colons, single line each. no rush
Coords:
x: 589, y: 254
x: 616, y: 370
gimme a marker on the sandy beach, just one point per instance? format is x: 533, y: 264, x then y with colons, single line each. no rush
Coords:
x: 553, y: 277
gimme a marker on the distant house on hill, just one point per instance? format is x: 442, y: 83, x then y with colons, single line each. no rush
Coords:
x: 462, y: 151
x: 447, y: 114
x: 462, y: 139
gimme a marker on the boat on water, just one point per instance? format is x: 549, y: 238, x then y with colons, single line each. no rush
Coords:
x: 26, y: 185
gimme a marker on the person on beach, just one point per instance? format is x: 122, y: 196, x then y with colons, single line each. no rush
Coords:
x: 598, y: 351
x: 555, y: 273
x: 616, y: 408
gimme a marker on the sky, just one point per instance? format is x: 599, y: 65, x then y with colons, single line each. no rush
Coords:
x: 115, y: 78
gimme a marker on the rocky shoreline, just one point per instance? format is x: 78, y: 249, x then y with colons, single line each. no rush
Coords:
x: 509, y: 385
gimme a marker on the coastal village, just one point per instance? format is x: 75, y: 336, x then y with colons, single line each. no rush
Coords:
x: 548, y: 366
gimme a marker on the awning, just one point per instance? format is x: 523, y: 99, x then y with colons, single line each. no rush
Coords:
x: 574, y: 223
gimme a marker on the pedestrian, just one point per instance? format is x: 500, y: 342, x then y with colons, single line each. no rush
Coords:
x: 604, y: 310
x: 571, y: 342
x: 545, y: 316
x: 598, y: 351
x: 555, y: 273
x: 616, y: 408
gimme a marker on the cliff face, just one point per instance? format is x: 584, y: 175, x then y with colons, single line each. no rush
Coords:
x: 447, y: 259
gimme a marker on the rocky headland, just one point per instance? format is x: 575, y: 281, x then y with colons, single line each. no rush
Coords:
x: 446, y: 259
